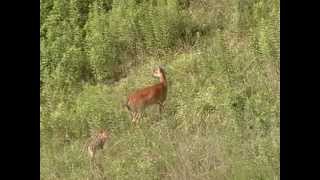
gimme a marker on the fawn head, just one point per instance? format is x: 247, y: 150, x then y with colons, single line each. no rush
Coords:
x: 103, y: 134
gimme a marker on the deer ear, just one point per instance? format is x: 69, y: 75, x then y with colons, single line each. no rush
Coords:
x: 161, y: 68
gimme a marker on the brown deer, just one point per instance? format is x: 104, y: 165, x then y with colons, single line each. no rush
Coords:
x: 142, y: 98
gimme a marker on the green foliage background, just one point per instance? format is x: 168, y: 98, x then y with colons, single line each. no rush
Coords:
x: 222, y: 115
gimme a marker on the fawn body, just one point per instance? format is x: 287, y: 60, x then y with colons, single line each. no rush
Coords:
x: 96, y: 142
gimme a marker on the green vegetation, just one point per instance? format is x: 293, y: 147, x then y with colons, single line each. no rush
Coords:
x: 222, y: 114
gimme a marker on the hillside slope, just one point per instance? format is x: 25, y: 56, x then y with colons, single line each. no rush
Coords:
x: 221, y: 117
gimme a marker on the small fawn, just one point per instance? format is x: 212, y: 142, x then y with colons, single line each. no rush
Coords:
x: 142, y: 98
x: 96, y: 142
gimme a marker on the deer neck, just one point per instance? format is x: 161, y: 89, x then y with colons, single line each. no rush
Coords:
x: 163, y: 80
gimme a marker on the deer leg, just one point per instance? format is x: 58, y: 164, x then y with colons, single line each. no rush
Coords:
x: 139, y: 116
x: 92, y: 164
x: 133, y: 115
x: 161, y: 107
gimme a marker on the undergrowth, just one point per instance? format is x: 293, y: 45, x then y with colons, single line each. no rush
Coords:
x: 221, y: 116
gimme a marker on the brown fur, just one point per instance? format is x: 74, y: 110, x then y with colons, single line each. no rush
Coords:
x: 147, y: 96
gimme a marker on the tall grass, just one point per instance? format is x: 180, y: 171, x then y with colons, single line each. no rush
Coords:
x: 221, y: 117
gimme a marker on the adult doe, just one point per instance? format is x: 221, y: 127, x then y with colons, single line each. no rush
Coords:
x: 142, y: 98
